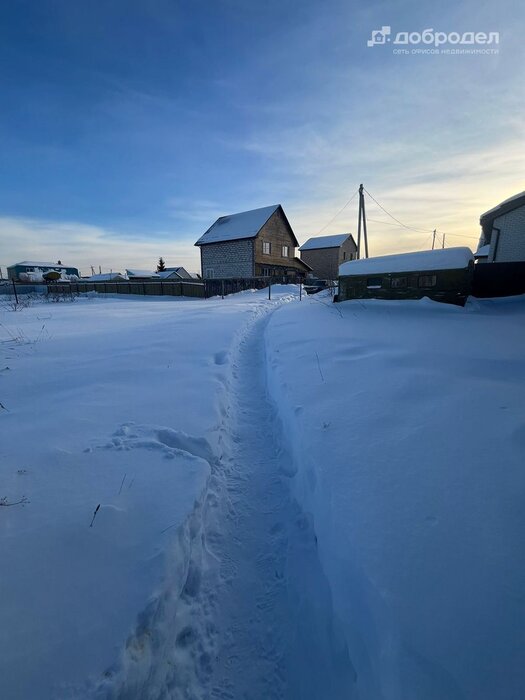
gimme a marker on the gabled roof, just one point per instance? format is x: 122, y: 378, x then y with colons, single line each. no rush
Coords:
x: 504, y: 207
x: 246, y: 224
x: 165, y: 274
x: 425, y: 260
x: 318, y: 242
x: 141, y: 274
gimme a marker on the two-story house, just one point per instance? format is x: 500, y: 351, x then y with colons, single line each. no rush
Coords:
x: 324, y: 254
x: 253, y: 243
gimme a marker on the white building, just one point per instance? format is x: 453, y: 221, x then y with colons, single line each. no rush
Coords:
x: 503, y: 232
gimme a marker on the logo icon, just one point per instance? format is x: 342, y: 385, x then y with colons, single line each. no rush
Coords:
x: 379, y: 36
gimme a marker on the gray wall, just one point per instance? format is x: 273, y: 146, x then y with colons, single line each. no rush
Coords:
x: 509, y: 245
x: 228, y: 259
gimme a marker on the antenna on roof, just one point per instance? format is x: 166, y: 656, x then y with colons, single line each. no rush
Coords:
x: 361, y: 218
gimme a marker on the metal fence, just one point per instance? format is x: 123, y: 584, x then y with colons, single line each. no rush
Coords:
x: 203, y: 289
x: 146, y: 288
x: 499, y: 279
x: 7, y: 288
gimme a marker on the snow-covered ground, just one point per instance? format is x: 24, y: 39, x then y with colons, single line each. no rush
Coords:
x: 114, y: 402
x: 303, y: 501
x: 406, y: 421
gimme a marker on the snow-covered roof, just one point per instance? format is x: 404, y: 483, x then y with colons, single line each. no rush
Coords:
x: 325, y: 241
x: 141, y: 273
x: 164, y: 274
x: 246, y: 224
x: 517, y: 200
x: 483, y: 251
x: 441, y: 259
x: 30, y: 263
x: 105, y: 277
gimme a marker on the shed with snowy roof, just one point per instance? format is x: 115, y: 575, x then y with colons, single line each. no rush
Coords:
x: 443, y: 275
x: 324, y: 254
x: 254, y: 243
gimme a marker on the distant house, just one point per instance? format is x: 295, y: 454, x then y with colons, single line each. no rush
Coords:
x: 443, y: 275
x: 324, y: 254
x: 107, y: 277
x: 503, y: 232
x: 29, y: 271
x: 141, y: 275
x: 253, y: 243
x: 174, y: 273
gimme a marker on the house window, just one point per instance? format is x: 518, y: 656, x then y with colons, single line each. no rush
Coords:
x: 344, y: 255
x: 267, y: 247
x: 209, y: 272
x: 427, y: 281
x: 374, y: 283
x: 266, y: 272
x: 30, y: 269
x: 286, y: 251
x: 398, y: 282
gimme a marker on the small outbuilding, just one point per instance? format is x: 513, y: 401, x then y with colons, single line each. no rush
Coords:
x: 443, y: 275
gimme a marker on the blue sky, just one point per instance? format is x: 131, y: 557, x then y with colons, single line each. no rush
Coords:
x: 127, y: 127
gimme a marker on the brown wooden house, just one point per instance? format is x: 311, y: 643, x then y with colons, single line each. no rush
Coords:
x: 256, y: 243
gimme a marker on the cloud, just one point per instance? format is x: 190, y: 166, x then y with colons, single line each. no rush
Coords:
x: 84, y: 245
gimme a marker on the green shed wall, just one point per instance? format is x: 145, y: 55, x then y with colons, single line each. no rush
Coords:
x: 452, y: 286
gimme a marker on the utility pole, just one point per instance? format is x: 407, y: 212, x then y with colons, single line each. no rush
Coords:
x: 433, y: 239
x: 362, y: 219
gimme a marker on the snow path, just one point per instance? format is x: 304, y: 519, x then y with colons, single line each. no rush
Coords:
x: 273, y: 607
x: 252, y: 618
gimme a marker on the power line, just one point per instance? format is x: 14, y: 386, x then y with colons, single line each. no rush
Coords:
x: 387, y: 223
x: 339, y: 212
x: 413, y: 228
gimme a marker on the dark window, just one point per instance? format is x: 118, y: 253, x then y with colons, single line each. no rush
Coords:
x: 344, y: 255
x: 398, y: 282
x: 266, y: 272
x: 374, y: 282
x: 427, y: 281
